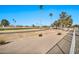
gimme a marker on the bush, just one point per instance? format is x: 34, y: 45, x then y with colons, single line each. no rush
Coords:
x: 2, y: 42
x: 40, y: 35
x: 58, y: 33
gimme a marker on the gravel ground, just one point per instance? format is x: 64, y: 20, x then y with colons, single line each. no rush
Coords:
x: 30, y: 43
x: 77, y: 43
x: 63, y: 46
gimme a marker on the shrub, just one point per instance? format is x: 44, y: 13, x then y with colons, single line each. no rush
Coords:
x: 40, y: 35
x: 2, y: 42
x: 58, y: 33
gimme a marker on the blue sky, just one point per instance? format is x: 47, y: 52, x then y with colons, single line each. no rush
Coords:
x: 31, y: 14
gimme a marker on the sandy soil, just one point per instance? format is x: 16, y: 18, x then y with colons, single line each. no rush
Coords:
x: 30, y: 42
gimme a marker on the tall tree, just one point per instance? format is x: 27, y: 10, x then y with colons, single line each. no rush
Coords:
x: 50, y: 15
x: 56, y: 23
x: 63, y: 14
x: 68, y: 21
x: 14, y: 22
x: 33, y: 25
x: 41, y: 8
x: 65, y: 20
x: 5, y: 22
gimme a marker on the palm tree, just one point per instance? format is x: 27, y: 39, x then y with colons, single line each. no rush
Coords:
x: 41, y: 8
x: 50, y: 15
x: 14, y: 22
